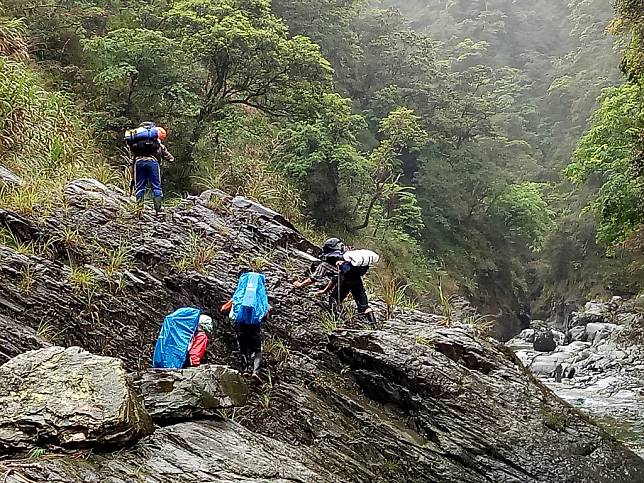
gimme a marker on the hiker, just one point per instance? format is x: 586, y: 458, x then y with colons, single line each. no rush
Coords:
x: 146, y: 146
x: 249, y: 309
x: 199, y: 342
x: 343, y: 269
x: 180, y: 341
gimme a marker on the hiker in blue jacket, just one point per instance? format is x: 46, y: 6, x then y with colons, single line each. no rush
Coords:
x: 249, y: 309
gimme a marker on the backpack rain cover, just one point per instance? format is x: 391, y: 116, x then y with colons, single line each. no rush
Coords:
x: 174, y: 339
x: 250, y: 301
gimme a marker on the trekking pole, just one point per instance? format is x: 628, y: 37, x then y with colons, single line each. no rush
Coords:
x: 338, y: 304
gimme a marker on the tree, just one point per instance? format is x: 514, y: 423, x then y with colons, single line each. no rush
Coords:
x: 402, y: 132
x: 525, y: 213
x: 321, y: 156
x: 133, y: 83
x: 240, y: 54
x: 607, y: 150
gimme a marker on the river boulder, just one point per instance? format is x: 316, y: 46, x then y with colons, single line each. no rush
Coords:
x: 69, y: 398
x: 544, y: 341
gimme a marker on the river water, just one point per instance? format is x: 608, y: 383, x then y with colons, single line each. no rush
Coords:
x: 620, y: 413
x: 615, y: 402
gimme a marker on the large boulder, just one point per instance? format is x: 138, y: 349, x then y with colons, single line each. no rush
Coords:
x: 544, y: 341
x: 70, y: 398
x: 546, y: 364
x: 194, y: 451
x: 190, y: 393
x: 594, y: 312
x: 596, y: 332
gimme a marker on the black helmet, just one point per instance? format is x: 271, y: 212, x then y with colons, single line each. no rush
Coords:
x: 333, y: 247
x: 147, y: 124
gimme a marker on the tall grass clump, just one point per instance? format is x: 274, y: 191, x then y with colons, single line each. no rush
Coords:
x: 391, y: 289
x: 42, y: 139
x: 198, y: 255
x: 12, y: 39
x: 242, y: 166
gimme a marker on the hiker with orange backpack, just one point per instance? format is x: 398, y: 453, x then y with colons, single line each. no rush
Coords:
x: 146, y: 146
x: 343, y: 269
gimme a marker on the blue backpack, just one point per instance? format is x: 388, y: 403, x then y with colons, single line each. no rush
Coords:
x: 174, y: 339
x: 250, y: 301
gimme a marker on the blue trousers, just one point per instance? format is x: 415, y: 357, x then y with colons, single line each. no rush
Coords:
x: 147, y: 170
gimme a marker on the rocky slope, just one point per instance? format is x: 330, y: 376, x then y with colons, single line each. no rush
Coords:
x: 412, y: 401
x: 597, y: 364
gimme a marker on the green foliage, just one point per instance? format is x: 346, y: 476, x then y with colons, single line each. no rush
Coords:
x: 41, y: 136
x: 321, y: 157
x: 239, y: 53
x: 422, y: 128
x: 36, y: 453
x: 607, y: 151
x: 525, y: 213
x: 630, y: 24
x: 12, y: 40
x: 132, y: 81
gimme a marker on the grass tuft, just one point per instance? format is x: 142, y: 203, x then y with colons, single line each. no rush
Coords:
x: 198, y: 256
x: 26, y: 280
x: 277, y: 350
x: 82, y: 279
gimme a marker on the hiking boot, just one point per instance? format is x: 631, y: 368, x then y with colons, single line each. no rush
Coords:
x: 158, y: 207
x: 371, y: 318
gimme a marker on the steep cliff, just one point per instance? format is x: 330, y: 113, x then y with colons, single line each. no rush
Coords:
x: 412, y: 401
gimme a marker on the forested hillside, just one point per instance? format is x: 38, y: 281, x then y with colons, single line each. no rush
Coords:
x: 435, y: 131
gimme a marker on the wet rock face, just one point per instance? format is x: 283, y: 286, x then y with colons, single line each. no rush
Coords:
x: 15, y: 339
x: 415, y: 401
x: 394, y: 368
x: 205, y: 451
x: 213, y: 240
x: 190, y: 393
x: 67, y: 397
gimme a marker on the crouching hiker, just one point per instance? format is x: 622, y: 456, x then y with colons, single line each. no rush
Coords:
x: 199, y: 342
x: 343, y: 270
x: 182, y: 340
x: 249, y: 309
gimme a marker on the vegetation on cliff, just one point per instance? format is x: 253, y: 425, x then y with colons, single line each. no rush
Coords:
x: 434, y: 132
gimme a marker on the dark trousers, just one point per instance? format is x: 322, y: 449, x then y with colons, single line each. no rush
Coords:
x: 354, y: 287
x: 147, y: 171
x: 249, y: 338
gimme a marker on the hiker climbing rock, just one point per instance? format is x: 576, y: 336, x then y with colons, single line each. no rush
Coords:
x: 182, y: 340
x: 343, y: 269
x: 249, y: 309
x: 146, y: 146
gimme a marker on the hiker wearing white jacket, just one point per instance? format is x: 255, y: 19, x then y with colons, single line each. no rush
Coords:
x: 344, y: 271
